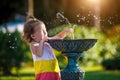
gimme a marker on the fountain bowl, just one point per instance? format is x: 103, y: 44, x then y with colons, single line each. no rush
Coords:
x: 73, y: 50
x: 72, y: 45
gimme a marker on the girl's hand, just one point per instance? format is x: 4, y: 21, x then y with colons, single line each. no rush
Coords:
x: 63, y: 34
x: 71, y: 32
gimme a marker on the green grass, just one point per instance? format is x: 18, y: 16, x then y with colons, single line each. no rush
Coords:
x: 91, y: 73
x: 26, y: 73
x: 98, y: 73
x: 102, y: 75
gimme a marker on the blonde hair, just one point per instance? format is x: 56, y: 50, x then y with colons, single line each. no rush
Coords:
x: 31, y: 23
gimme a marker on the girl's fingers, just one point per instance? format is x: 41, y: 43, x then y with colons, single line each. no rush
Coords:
x: 71, y: 30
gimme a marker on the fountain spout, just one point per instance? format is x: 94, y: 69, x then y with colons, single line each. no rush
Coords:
x: 59, y: 15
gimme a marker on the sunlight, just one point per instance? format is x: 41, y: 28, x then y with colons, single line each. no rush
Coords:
x: 95, y: 5
x: 93, y: 1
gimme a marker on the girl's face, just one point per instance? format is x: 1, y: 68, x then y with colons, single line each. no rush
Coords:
x: 39, y: 32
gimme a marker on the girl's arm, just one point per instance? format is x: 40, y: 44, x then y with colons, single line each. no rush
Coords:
x: 62, y: 34
x: 37, y: 49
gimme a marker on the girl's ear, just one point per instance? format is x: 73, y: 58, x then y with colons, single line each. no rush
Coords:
x: 32, y: 36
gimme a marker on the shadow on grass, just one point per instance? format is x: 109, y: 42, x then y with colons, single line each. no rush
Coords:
x: 102, y: 75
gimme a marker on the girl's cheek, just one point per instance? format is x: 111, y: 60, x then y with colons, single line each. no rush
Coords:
x: 42, y: 36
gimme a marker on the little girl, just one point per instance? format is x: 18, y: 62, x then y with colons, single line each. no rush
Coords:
x: 45, y: 62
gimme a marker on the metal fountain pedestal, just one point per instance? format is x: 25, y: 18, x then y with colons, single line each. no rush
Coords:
x: 72, y: 70
x: 73, y: 49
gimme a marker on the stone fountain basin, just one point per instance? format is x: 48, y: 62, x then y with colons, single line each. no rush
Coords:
x: 72, y: 45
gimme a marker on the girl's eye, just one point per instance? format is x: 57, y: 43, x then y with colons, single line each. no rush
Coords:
x: 40, y: 31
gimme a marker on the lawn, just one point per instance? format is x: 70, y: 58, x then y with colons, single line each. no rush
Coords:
x: 92, y: 73
x: 98, y: 73
x: 26, y: 73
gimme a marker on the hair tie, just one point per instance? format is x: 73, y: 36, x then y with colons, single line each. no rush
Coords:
x: 32, y: 19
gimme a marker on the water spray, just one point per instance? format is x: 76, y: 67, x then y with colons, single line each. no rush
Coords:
x: 61, y: 16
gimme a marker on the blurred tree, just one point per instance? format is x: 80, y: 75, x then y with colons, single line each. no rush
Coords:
x: 12, y: 51
x: 11, y: 7
x: 31, y: 7
x: 46, y: 11
x: 75, y: 10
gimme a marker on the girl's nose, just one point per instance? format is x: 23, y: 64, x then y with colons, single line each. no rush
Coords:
x: 45, y: 33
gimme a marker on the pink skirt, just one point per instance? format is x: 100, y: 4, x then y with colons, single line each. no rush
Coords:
x: 48, y: 76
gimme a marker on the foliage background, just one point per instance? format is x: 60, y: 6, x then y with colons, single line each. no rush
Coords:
x: 15, y: 55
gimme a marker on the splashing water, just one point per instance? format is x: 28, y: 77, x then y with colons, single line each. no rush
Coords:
x: 12, y: 43
x: 72, y: 34
x: 63, y: 18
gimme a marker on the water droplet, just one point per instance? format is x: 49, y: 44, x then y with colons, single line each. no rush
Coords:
x: 95, y: 17
x: 109, y: 21
x: 9, y: 34
x: 12, y: 47
x: 78, y: 20
x: 78, y: 15
x: 15, y: 39
x: 88, y: 14
x: 83, y: 18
